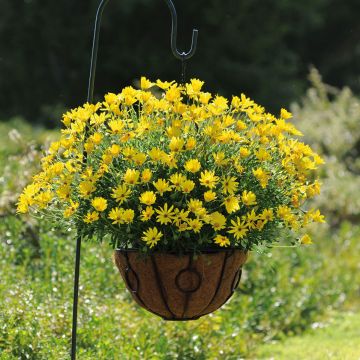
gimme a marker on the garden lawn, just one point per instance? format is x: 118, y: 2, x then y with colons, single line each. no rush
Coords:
x: 338, y: 339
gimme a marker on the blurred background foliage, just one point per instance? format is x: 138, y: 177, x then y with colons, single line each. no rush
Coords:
x: 263, y: 48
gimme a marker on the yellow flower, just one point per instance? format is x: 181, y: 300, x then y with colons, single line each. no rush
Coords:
x: 121, y: 193
x: 262, y: 155
x: 195, y: 225
x: 180, y: 215
x: 284, y: 114
x: 86, y: 188
x: 222, y: 240
x: 173, y: 94
x: 177, y: 179
x: 96, y: 138
x: 63, y: 192
x: 170, y: 160
x: 111, y: 98
x: 162, y: 186
x: 231, y: 204
x: 244, y: 152
x: 192, y: 165
x: 187, y: 186
x: 181, y: 226
x: 89, y: 147
x: 43, y: 198
x: 209, y: 196
x: 313, y: 189
x: 163, y: 84
x: 176, y: 144
x: 56, y: 169
x: 240, y: 125
x: 306, y: 240
x: 116, y: 126
x: 128, y: 215
x: 99, y: 203
x: 91, y: 217
x: 146, y: 175
x: 147, y: 198
x: 165, y: 214
x: 190, y: 143
x: 217, y: 221
x: 194, y: 87
x: 238, y: 228
x: 116, y: 214
x: 131, y: 176
x: 27, y: 197
x: 251, y: 218
x: 229, y: 185
x: 98, y: 119
x: 156, y: 154
x: 107, y: 159
x: 248, y: 198
x: 284, y: 212
x: 218, y: 105
x: 194, y: 205
x: 260, y: 224
x: 139, y: 159
x: 129, y: 153
x: 262, y: 176
x: 147, y: 213
x: 267, y: 215
x: 145, y: 83
x: 71, y: 209
x: 220, y: 159
x: 316, y: 216
x: 152, y: 236
x: 208, y: 179
x: 205, y: 97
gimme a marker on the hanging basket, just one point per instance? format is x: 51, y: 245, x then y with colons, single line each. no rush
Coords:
x: 182, y: 287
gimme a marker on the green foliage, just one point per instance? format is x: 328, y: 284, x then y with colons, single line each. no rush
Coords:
x: 264, y: 48
x: 330, y: 120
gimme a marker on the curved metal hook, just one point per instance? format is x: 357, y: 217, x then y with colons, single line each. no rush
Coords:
x: 180, y: 55
x: 94, y: 50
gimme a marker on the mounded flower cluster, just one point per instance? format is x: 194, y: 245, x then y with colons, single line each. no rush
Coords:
x: 171, y: 167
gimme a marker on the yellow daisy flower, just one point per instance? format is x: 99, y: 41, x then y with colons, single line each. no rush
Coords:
x: 238, y: 228
x: 148, y: 198
x: 151, y: 236
x: 208, y: 179
x: 165, y: 214
x: 91, y: 217
x: 248, y: 198
x: 222, y: 240
x: 192, y: 165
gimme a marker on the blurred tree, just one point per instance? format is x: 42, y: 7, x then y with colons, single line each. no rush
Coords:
x: 260, y: 47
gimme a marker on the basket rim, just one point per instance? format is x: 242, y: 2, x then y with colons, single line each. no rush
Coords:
x: 185, y: 252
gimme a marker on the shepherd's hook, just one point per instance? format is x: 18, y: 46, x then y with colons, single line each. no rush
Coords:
x: 90, y: 95
x: 180, y: 55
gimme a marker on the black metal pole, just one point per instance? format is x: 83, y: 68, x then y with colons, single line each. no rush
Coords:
x: 76, y: 297
x: 90, y: 95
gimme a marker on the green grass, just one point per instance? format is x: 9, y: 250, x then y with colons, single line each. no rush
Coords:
x: 338, y: 339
